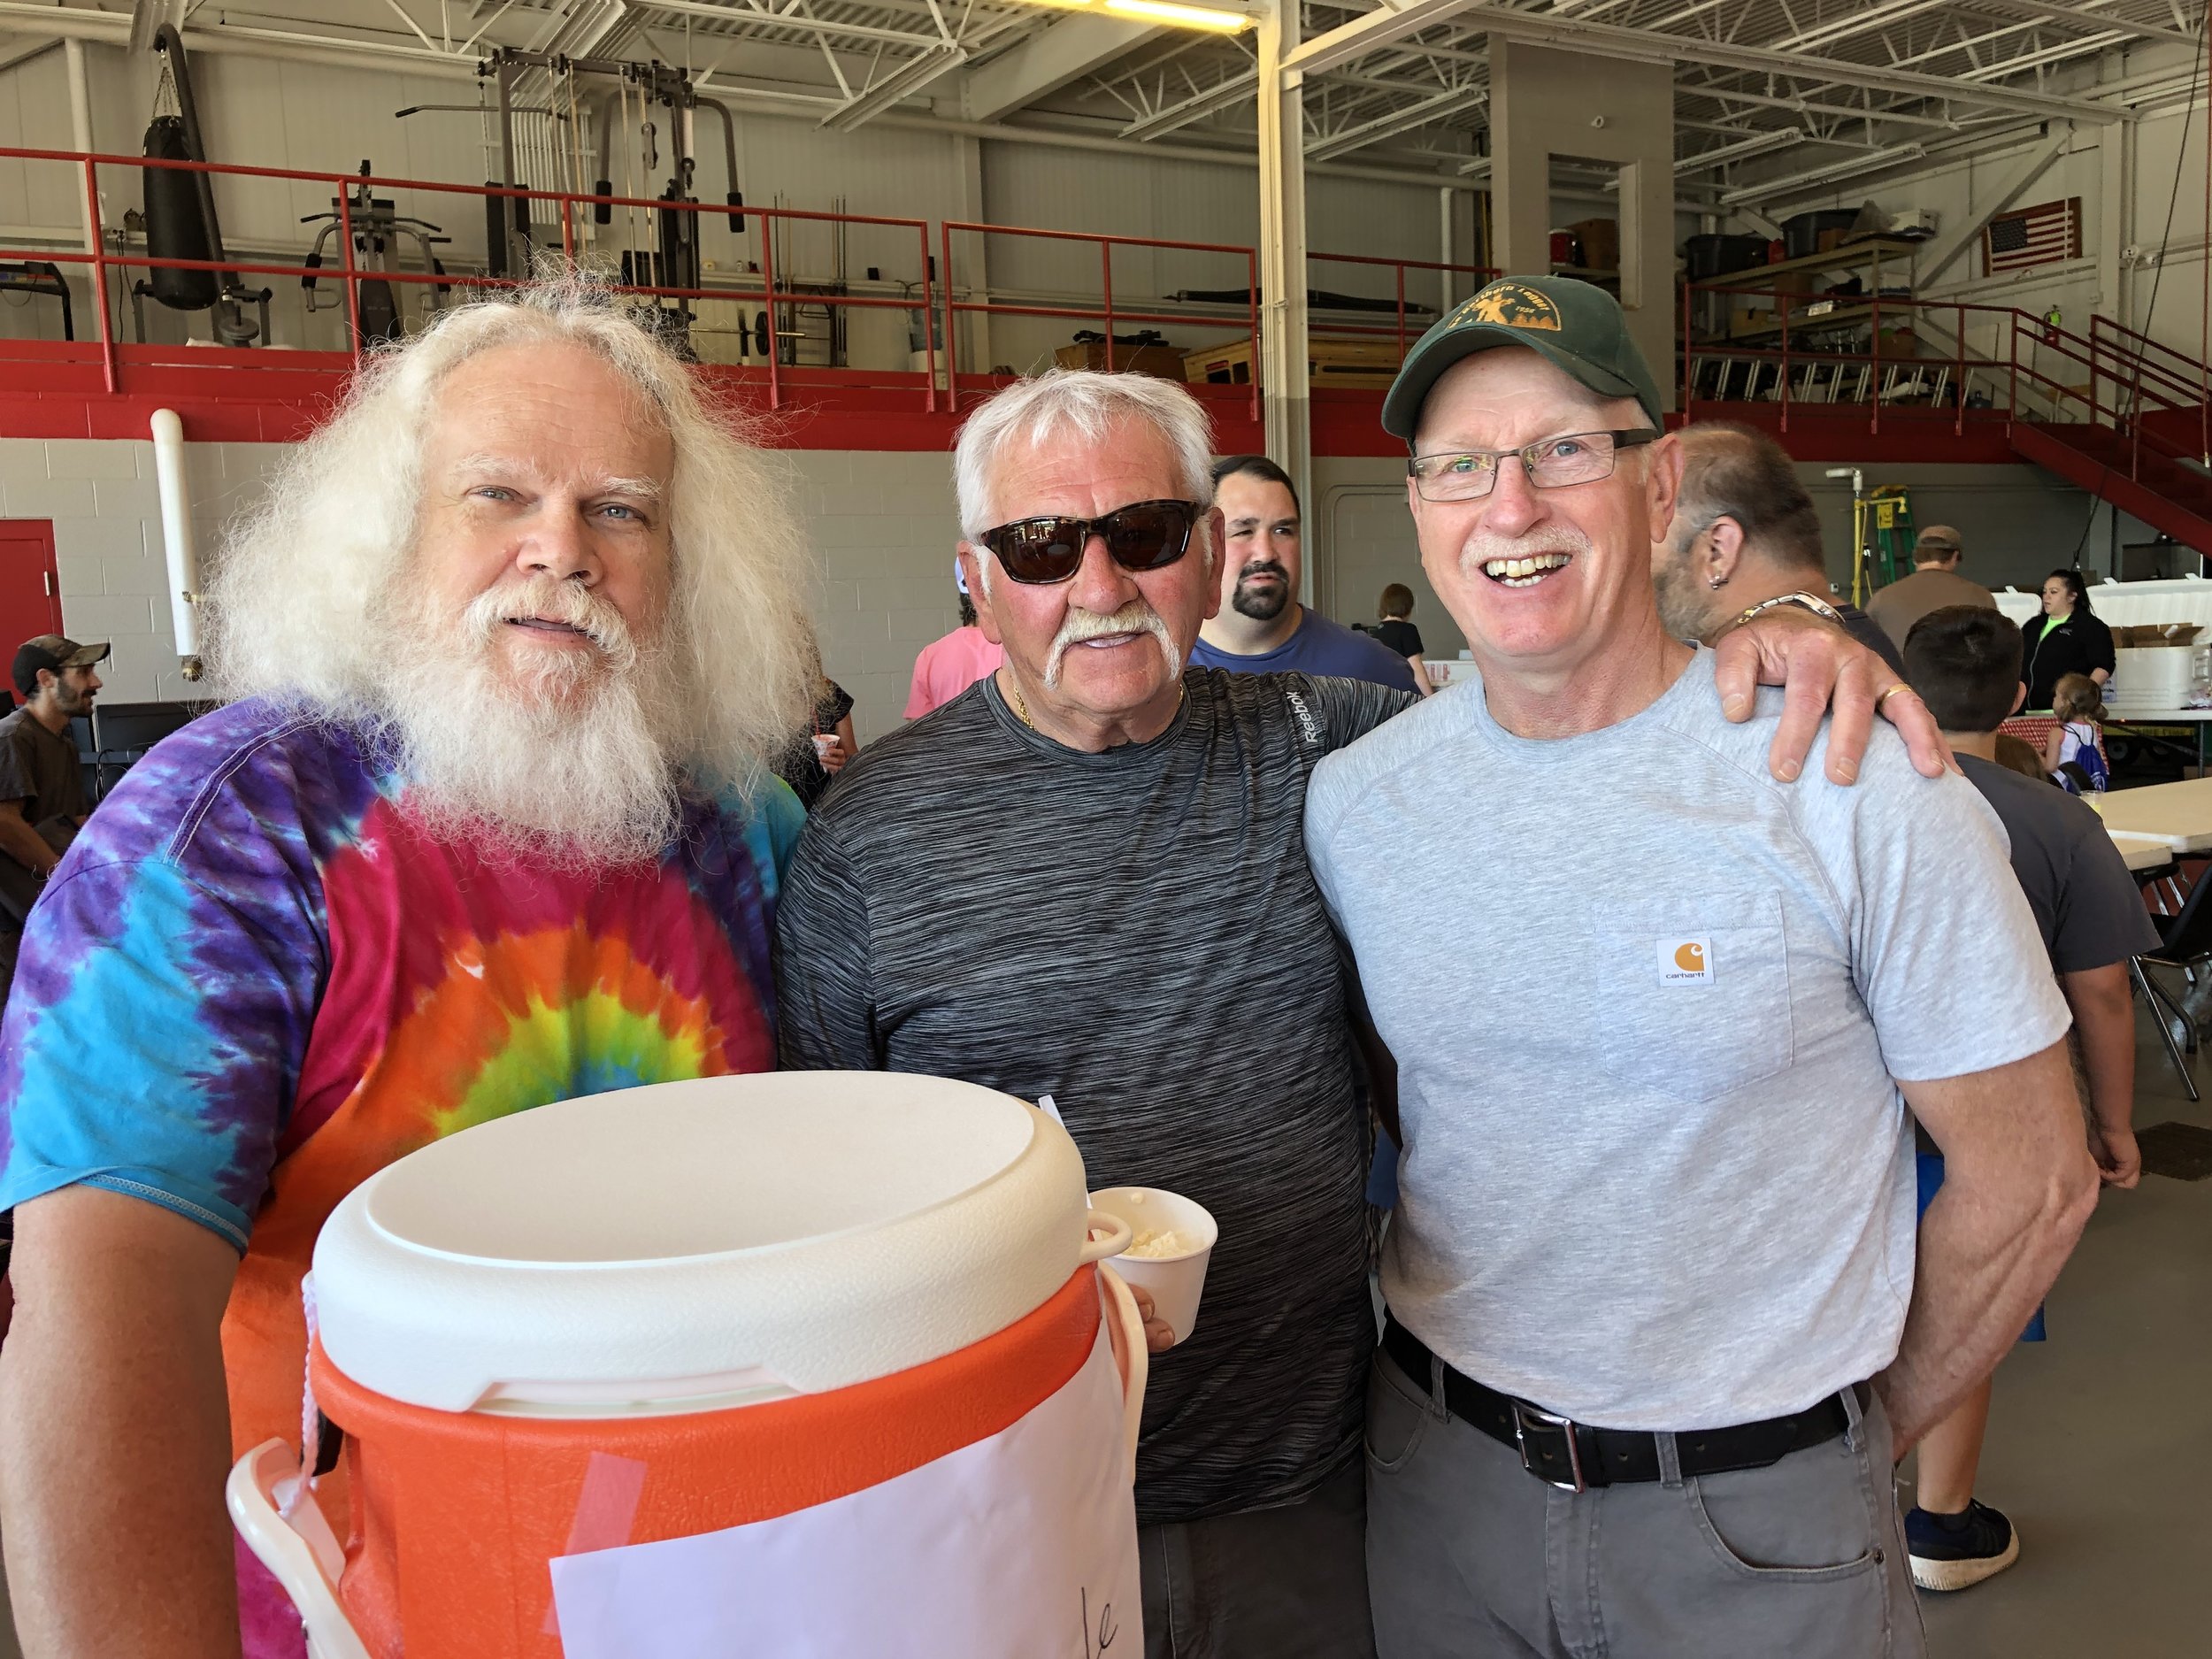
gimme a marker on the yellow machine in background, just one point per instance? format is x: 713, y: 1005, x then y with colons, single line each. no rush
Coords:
x: 1882, y: 533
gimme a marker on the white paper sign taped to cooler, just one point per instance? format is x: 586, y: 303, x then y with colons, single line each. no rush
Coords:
x: 1020, y: 1547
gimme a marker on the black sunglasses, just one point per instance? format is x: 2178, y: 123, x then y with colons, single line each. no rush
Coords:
x: 1146, y: 535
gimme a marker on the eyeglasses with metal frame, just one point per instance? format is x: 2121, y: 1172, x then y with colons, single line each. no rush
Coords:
x: 1145, y: 535
x: 1575, y: 457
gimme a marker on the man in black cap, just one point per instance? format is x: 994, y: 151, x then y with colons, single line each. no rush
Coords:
x: 1656, y: 1318
x: 42, y: 782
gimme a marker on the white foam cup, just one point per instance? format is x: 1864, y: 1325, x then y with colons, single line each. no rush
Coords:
x: 824, y: 745
x: 1174, y: 1282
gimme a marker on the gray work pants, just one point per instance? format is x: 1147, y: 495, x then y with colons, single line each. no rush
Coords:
x: 1470, y: 1555
x: 1270, y: 1584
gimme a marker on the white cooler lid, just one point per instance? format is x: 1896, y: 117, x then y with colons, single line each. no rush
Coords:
x: 692, y: 1245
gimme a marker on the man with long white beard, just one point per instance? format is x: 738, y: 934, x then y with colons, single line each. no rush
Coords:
x: 486, y: 827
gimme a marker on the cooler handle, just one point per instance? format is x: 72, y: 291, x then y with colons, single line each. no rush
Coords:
x: 1117, y: 1238
x: 299, y: 1548
x: 1125, y: 1330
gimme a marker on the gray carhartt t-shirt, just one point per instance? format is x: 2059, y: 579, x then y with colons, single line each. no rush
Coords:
x: 1647, y: 1003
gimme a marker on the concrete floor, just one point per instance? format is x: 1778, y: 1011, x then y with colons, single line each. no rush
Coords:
x: 2099, y: 1439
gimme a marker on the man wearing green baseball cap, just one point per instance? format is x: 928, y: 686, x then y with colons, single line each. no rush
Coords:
x: 1648, y: 1356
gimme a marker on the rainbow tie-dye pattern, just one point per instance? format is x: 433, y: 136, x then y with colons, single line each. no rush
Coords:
x: 256, y: 980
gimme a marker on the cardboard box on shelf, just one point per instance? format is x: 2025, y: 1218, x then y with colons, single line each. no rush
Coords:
x: 1600, y: 240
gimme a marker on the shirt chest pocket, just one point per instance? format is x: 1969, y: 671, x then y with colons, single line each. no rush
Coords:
x: 1690, y: 997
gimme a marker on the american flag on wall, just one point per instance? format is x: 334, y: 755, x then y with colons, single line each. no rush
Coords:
x: 2032, y: 236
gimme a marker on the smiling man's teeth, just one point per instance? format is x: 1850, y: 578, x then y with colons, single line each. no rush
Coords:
x: 1524, y: 572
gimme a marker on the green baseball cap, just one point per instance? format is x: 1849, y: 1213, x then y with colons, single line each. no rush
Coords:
x: 1572, y: 325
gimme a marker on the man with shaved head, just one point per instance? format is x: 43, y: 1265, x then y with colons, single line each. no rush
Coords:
x: 1656, y: 1333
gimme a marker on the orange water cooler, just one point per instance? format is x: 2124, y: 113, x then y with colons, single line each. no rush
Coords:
x: 816, y: 1364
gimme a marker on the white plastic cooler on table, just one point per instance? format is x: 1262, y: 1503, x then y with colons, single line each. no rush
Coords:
x: 801, y: 1363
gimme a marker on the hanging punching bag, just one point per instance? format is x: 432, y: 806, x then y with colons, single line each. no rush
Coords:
x: 175, y: 227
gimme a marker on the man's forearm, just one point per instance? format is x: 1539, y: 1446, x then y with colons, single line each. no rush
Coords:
x: 2104, y: 1019
x: 114, y: 1433
x: 2018, y: 1186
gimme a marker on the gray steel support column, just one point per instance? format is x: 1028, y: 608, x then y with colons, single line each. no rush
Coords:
x: 1286, y: 400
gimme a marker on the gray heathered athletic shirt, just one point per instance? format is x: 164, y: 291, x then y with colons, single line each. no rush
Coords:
x: 1657, y: 1174
x: 1137, y: 934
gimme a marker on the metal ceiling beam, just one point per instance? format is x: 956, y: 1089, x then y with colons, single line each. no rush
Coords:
x: 1071, y: 48
x: 2099, y: 20
x: 1872, y: 17
x: 902, y: 83
x: 149, y: 15
x: 746, y: 18
x: 1236, y: 90
x: 1571, y: 33
x: 1329, y: 146
x: 1806, y: 106
x: 1378, y: 28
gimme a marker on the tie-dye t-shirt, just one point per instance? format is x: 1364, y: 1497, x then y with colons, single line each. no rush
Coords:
x: 255, y: 980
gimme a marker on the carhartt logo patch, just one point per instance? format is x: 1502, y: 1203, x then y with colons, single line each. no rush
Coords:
x: 1685, y: 961
x: 1512, y: 305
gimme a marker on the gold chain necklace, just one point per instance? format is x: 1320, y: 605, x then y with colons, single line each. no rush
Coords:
x: 1014, y: 694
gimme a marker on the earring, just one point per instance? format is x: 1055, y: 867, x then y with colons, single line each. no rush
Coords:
x: 1716, y: 582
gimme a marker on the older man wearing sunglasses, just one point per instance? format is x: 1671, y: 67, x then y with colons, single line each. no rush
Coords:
x: 1086, y: 876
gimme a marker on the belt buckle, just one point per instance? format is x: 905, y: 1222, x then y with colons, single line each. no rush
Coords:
x: 1527, y: 1416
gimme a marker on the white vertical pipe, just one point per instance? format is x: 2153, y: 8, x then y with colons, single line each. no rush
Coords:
x: 1444, y: 224
x: 81, y: 131
x: 176, y: 537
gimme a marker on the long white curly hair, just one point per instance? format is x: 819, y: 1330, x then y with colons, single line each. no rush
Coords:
x: 298, y: 605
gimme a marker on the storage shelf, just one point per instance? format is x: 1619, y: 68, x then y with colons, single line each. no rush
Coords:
x: 1882, y: 250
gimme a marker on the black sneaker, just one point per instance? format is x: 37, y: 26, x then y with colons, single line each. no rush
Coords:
x: 1951, y: 1552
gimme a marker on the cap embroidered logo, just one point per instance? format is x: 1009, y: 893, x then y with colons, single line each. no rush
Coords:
x: 1512, y: 305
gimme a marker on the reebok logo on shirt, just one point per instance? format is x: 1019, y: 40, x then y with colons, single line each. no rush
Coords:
x: 1685, y: 961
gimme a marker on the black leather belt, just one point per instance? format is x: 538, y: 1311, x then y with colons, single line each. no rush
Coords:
x: 1575, y: 1457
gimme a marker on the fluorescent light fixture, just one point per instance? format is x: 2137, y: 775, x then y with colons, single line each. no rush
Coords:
x: 1874, y: 161
x: 1180, y: 16
x: 1759, y: 144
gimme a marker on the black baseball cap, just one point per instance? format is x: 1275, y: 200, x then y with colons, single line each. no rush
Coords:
x: 1572, y: 325
x: 50, y: 650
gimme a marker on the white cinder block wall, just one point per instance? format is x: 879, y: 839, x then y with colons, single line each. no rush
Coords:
x: 882, y: 524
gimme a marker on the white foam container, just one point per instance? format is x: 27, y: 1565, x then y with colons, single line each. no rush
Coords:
x: 697, y: 1244
x: 1175, y: 1283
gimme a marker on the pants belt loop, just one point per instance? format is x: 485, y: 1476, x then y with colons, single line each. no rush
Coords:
x: 1852, y: 1417
x: 1439, y: 1406
x: 1669, y: 1461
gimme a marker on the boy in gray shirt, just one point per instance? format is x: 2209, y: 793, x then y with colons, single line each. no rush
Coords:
x: 1656, y: 1329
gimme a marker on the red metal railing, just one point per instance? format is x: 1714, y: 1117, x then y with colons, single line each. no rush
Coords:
x: 1479, y: 273
x: 766, y: 295
x: 1105, y: 311
x: 2142, y: 375
x: 759, y: 284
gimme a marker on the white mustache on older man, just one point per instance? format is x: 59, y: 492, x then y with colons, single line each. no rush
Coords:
x: 1136, y: 616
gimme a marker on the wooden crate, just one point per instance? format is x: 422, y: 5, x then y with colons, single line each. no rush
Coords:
x: 1361, y: 365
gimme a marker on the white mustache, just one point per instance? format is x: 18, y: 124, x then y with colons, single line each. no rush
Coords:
x: 1079, y: 624
x: 547, y: 598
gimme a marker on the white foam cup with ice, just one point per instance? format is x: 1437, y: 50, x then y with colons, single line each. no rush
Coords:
x: 1171, y: 1239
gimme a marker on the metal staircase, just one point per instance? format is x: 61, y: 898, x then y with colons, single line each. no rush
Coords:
x: 2121, y: 415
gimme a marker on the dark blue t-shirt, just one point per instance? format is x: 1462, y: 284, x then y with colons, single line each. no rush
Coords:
x: 1318, y: 646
